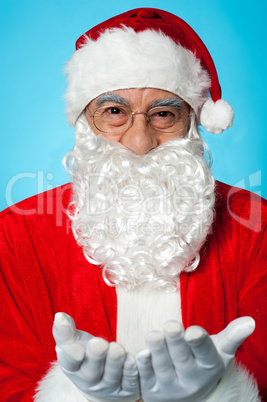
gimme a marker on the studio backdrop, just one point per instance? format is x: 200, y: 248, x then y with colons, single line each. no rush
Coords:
x: 38, y: 37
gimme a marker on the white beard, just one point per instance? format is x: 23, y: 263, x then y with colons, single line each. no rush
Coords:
x: 142, y: 218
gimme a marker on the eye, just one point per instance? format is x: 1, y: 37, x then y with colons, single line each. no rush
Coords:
x: 114, y: 114
x: 114, y: 110
x: 111, y: 112
x: 164, y: 113
x: 111, y: 115
x: 164, y: 117
x: 161, y: 117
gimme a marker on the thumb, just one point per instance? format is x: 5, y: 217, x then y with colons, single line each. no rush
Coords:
x: 228, y: 340
x: 64, y: 329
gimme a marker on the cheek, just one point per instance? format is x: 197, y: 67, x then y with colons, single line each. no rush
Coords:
x: 167, y: 137
x: 116, y: 138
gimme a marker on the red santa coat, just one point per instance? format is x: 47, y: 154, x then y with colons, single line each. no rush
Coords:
x: 44, y: 271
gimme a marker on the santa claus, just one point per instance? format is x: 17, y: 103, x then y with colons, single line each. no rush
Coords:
x: 144, y: 243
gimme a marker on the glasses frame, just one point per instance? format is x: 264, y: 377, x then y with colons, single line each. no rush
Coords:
x: 92, y: 116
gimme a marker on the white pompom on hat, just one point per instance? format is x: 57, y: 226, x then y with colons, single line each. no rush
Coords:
x: 146, y: 48
x: 216, y: 116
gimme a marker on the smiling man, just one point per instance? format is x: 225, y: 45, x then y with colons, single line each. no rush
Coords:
x: 161, y: 269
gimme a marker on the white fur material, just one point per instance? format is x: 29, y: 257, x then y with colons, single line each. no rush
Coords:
x: 122, y: 58
x: 57, y: 387
x: 216, y: 116
x: 142, y: 310
x: 236, y: 385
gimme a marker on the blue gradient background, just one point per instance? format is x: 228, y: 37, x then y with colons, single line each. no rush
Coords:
x: 38, y: 37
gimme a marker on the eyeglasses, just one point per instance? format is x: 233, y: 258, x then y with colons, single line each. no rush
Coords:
x: 116, y: 118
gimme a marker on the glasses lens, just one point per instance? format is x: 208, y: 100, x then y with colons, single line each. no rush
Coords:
x: 112, y: 118
x: 168, y: 119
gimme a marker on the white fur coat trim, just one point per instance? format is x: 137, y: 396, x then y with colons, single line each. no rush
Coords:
x: 57, y: 387
x: 142, y: 310
x: 235, y: 386
x: 122, y: 58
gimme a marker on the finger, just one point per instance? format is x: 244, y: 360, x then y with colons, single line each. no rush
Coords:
x: 179, y: 350
x: 203, y: 348
x: 114, y: 364
x: 161, y: 361
x: 129, y: 374
x: 146, y: 372
x: 64, y: 329
x: 70, y: 356
x: 228, y: 340
x: 93, y: 365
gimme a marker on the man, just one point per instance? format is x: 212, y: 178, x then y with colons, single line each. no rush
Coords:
x: 155, y: 241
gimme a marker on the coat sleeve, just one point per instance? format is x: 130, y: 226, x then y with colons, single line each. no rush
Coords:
x: 28, y: 366
x: 35, y: 253
x: 23, y: 353
x: 252, y: 302
x: 231, y: 280
x: 251, y: 283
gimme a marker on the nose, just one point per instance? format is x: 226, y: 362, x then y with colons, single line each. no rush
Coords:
x: 140, y: 137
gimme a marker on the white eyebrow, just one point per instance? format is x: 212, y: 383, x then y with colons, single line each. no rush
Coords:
x: 111, y: 97
x: 167, y: 102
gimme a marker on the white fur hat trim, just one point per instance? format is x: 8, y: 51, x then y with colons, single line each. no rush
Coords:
x: 122, y: 58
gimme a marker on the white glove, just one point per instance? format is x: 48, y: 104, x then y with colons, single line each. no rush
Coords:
x: 180, y: 366
x: 98, y: 369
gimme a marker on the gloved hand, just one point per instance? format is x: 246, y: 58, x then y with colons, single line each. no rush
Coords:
x: 178, y: 366
x: 98, y: 369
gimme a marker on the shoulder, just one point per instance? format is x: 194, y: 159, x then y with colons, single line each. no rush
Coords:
x: 237, y: 196
x: 240, y: 206
x: 40, y: 204
x: 35, y: 213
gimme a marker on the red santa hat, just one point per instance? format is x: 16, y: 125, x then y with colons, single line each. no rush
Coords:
x: 146, y: 48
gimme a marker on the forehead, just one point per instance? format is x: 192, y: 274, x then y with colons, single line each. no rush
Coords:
x: 135, y: 97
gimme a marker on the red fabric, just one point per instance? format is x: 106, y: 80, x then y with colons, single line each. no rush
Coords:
x: 44, y: 271
x: 141, y: 19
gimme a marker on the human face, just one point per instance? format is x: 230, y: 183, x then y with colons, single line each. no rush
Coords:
x: 140, y: 137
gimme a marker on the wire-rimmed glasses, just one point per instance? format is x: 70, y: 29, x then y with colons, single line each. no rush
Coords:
x: 116, y: 118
